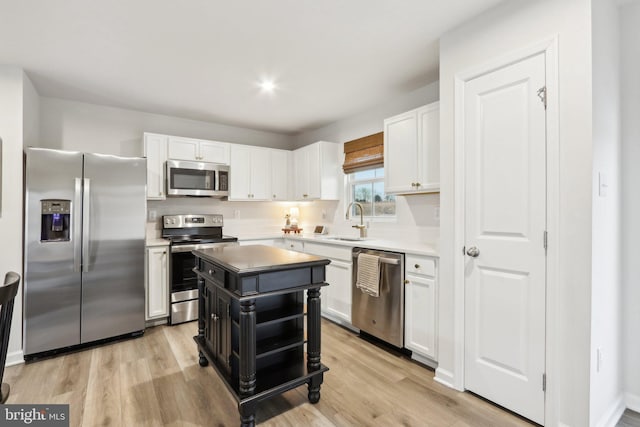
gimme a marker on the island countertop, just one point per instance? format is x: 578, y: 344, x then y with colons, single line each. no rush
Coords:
x: 257, y: 258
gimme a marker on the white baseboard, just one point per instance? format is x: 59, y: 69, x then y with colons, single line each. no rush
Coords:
x: 424, y: 360
x: 156, y: 322
x: 612, y: 416
x: 632, y: 401
x: 444, y: 377
x: 15, y: 358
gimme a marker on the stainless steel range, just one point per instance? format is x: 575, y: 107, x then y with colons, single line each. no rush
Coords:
x: 187, y: 233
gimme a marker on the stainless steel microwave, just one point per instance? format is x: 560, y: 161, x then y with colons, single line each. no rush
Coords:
x: 185, y: 178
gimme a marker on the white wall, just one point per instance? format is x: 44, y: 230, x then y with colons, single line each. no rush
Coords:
x: 630, y: 89
x: 607, y: 397
x: 505, y: 29
x: 17, y: 101
x: 371, y: 120
x: 71, y: 125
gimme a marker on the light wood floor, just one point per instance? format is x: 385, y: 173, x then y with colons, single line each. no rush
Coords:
x: 156, y: 381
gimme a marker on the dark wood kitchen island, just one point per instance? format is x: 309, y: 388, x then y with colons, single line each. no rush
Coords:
x: 251, y: 321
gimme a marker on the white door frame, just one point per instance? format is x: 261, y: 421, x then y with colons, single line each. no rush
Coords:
x: 550, y: 49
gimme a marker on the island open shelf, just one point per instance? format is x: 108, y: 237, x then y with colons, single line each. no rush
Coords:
x: 251, y: 322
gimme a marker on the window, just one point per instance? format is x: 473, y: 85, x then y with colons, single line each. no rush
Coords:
x: 367, y: 188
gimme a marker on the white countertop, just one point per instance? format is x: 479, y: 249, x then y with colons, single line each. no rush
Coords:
x: 416, y: 248
x: 156, y: 241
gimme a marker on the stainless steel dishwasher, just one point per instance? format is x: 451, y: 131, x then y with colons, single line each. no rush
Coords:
x: 381, y: 316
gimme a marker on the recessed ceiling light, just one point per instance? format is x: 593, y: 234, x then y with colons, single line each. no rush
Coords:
x: 267, y: 85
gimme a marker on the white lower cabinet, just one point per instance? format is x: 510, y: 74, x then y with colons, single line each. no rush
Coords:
x: 421, y: 314
x: 337, y: 296
x: 294, y: 245
x: 157, y: 282
x: 420, y: 318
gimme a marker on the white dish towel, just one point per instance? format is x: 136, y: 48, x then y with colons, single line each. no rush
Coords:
x: 368, y: 275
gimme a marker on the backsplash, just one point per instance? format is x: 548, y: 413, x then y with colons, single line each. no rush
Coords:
x: 416, y: 219
x: 241, y: 219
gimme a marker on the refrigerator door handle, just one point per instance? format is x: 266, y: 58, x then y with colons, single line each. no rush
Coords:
x: 76, y: 221
x: 86, y: 215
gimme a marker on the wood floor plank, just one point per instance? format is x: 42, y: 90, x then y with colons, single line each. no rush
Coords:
x: 103, y: 398
x: 139, y: 403
x: 156, y: 380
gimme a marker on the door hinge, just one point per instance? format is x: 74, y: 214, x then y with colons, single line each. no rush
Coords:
x: 545, y: 240
x: 544, y: 382
x: 542, y: 94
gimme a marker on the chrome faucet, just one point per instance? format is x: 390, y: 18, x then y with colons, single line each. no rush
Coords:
x: 361, y: 226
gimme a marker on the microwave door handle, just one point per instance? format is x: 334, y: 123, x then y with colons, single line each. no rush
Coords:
x: 216, y: 180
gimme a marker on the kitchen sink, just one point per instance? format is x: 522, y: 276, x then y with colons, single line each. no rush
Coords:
x: 347, y: 239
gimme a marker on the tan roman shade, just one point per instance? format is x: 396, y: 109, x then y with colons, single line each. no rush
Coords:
x: 364, y: 153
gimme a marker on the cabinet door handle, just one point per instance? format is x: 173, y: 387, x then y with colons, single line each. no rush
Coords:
x: 305, y: 195
x: 214, y: 317
x: 413, y: 184
x: 212, y: 272
x: 406, y: 282
x: 416, y: 266
x: 417, y: 184
x: 274, y: 196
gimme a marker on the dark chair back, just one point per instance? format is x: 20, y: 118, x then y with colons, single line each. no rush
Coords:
x: 7, y: 296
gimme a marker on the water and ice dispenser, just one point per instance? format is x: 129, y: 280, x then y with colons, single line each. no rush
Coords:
x: 56, y: 220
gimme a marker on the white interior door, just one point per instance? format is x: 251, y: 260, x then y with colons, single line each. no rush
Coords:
x: 505, y: 221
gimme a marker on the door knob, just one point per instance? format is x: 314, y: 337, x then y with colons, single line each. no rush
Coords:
x: 473, y: 251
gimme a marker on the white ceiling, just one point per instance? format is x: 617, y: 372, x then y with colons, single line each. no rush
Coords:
x: 201, y: 59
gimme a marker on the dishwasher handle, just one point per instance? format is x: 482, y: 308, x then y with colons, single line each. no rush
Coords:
x: 383, y: 260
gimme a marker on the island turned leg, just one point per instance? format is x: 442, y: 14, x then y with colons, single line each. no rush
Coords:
x: 247, y: 414
x: 247, y: 371
x: 313, y: 342
x: 201, y: 296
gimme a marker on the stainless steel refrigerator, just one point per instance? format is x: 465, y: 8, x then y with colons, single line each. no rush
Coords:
x: 85, y: 218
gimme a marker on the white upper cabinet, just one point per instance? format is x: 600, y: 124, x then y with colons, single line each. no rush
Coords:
x: 280, y: 174
x: 412, y: 151
x: 155, y: 150
x: 317, y: 173
x: 198, y: 150
x: 250, y: 174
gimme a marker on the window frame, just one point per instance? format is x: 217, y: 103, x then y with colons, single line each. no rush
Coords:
x: 351, y: 182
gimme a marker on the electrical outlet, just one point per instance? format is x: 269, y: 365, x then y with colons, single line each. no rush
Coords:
x: 236, y: 213
x: 324, y: 214
x: 153, y: 215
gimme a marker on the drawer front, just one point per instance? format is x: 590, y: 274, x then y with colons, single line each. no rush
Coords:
x: 213, y: 271
x: 420, y: 265
x: 328, y: 251
x: 294, y: 245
